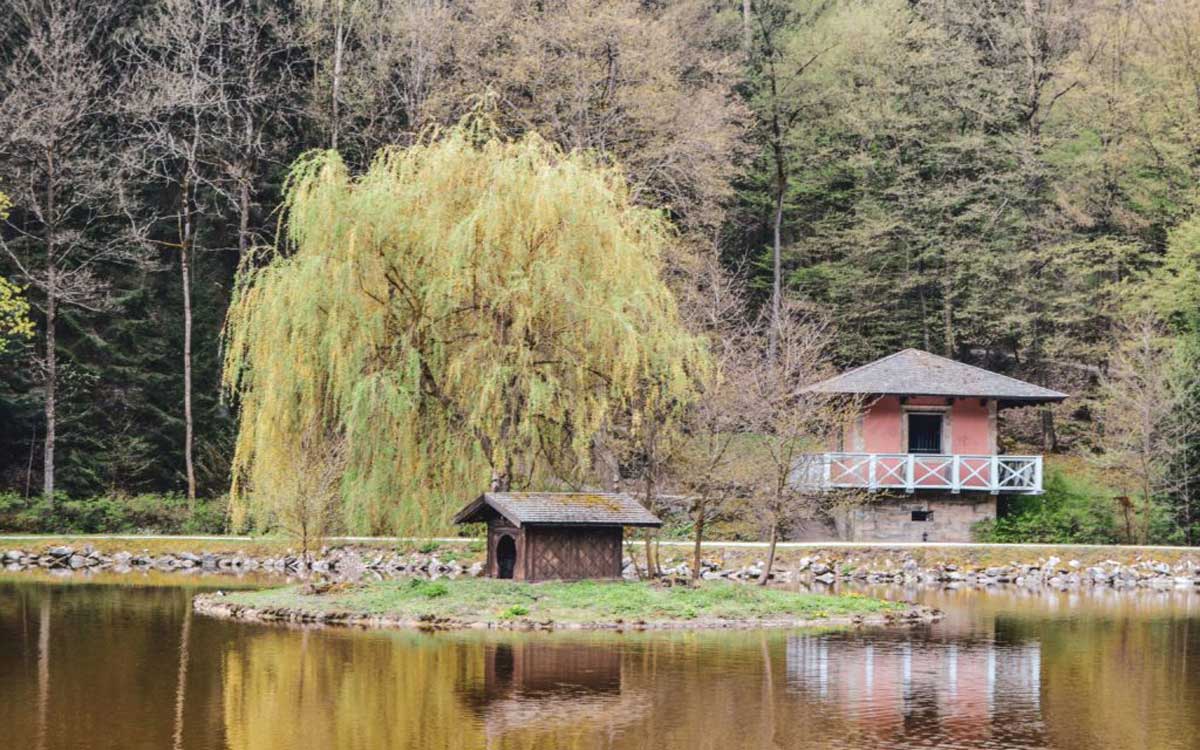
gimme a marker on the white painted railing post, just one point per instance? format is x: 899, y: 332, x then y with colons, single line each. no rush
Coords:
x: 909, y: 466
x: 955, y: 483
x: 1037, y: 473
x: 872, y: 462
x: 995, y: 483
x: 827, y: 469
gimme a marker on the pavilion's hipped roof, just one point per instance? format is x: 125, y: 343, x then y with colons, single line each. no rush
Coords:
x: 912, y: 372
x: 560, y: 508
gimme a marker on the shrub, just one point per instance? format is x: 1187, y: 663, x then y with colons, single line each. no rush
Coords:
x: 1072, y: 511
x: 112, y: 514
x: 516, y: 610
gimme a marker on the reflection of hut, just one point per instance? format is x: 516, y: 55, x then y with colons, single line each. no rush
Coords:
x: 535, y: 536
x: 543, y: 670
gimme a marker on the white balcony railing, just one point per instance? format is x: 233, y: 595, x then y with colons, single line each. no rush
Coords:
x: 916, y: 471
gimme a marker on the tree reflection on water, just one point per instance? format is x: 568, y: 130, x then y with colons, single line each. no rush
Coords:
x: 125, y: 666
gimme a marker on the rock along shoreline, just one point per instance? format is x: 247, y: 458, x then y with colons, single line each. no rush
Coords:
x: 216, y: 605
x: 821, y: 567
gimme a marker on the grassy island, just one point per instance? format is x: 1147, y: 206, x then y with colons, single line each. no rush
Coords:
x: 485, y: 603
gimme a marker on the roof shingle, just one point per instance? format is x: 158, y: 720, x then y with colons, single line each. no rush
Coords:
x: 563, y: 508
x: 912, y: 372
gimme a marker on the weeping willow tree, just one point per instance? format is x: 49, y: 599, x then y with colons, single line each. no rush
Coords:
x: 470, y: 312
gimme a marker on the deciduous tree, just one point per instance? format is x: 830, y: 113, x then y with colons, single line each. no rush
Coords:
x: 54, y: 96
x: 467, y: 313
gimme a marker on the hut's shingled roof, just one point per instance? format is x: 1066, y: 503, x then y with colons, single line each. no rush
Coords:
x: 912, y: 372
x: 561, y: 508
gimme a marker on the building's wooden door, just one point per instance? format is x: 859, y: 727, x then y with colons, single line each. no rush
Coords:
x: 506, y: 557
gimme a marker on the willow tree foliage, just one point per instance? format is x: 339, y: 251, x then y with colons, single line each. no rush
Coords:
x: 469, y: 312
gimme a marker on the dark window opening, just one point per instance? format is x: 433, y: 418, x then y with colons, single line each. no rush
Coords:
x: 506, y: 557
x: 922, y: 515
x: 924, y: 433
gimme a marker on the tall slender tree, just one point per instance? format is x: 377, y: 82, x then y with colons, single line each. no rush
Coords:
x: 54, y: 99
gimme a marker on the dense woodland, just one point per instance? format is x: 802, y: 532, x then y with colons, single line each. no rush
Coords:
x: 1012, y: 183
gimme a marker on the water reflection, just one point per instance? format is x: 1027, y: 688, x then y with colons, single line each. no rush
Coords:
x: 121, y: 666
x: 550, y: 686
x: 985, y: 692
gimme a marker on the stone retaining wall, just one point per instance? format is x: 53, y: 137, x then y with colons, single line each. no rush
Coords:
x: 821, y: 567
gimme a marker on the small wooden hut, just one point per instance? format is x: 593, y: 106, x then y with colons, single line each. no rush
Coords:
x: 538, y: 536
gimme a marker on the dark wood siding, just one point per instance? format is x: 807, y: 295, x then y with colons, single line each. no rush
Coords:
x: 572, y: 553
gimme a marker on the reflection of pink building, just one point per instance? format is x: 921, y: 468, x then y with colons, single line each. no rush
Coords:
x: 928, y: 426
x: 881, y: 684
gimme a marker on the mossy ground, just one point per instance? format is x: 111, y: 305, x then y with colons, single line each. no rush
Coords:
x: 476, y: 600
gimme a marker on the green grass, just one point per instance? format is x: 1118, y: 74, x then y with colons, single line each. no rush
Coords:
x: 474, y: 600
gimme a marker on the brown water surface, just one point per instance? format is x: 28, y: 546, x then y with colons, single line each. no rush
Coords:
x: 124, y: 664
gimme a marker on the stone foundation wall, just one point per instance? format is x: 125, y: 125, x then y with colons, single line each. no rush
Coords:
x: 917, y: 518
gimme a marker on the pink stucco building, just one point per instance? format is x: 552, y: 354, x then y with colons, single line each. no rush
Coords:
x: 926, y: 442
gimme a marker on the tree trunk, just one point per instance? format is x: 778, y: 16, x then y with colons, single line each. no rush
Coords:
x: 698, y: 541
x: 948, y: 319
x: 748, y: 37
x: 244, y: 215
x: 501, y: 478
x: 777, y: 246
x: 51, y: 390
x: 1033, y: 56
x: 51, y: 339
x: 339, y: 40
x: 186, y: 277
x: 766, y: 574
x: 1049, y: 438
x: 651, y: 568
x: 924, y: 314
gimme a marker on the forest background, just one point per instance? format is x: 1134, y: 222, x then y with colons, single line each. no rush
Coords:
x: 1011, y: 183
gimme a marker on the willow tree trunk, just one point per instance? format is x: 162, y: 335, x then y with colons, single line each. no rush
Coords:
x: 699, y: 540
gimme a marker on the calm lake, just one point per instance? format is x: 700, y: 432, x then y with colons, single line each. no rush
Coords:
x: 124, y: 664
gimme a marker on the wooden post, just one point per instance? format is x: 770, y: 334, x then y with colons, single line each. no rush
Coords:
x: 994, y: 483
x: 909, y: 471
x: 872, y: 482
x: 955, y: 481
